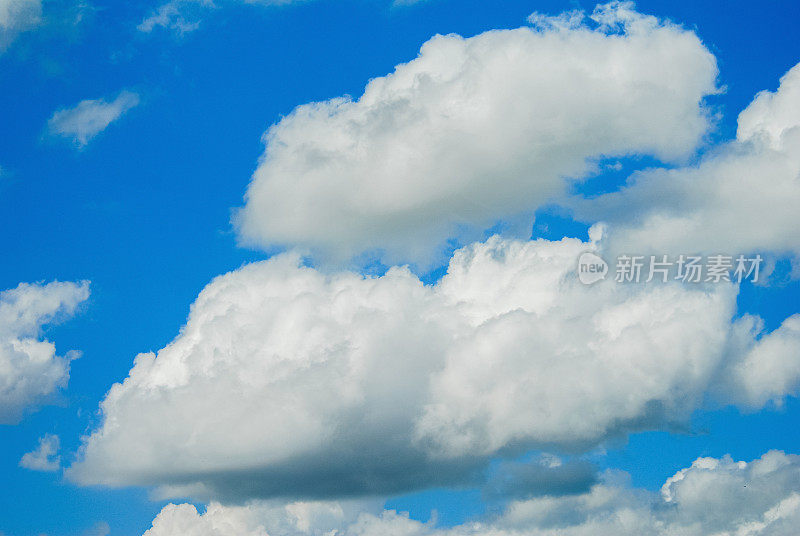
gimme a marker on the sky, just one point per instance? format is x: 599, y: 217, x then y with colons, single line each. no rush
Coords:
x: 305, y: 268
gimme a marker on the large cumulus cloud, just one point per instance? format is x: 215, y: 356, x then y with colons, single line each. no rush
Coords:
x: 289, y: 381
x: 712, y: 496
x: 30, y: 369
x: 475, y: 130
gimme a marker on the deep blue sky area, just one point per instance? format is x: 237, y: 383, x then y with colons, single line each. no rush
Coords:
x: 143, y: 211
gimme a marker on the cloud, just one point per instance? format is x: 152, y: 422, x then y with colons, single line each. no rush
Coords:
x: 713, y: 496
x: 179, y: 16
x: 90, y: 117
x: 255, y: 519
x: 770, y: 368
x: 101, y: 528
x: 45, y: 457
x: 185, y: 16
x: 30, y: 370
x: 741, y: 198
x: 287, y: 381
x: 17, y: 16
x: 439, y: 147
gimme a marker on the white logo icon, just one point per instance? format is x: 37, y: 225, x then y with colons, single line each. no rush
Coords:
x: 591, y: 268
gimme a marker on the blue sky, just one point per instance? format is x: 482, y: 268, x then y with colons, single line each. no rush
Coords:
x: 143, y: 210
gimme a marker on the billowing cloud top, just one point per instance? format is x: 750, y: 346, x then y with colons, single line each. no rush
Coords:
x: 476, y: 130
x: 30, y: 370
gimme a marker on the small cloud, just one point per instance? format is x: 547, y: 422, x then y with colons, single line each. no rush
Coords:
x: 17, y: 16
x: 90, y: 117
x: 179, y: 16
x: 100, y: 528
x: 45, y: 457
x: 406, y: 2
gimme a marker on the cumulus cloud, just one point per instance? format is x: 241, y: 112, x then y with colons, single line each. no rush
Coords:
x: 260, y: 518
x: 741, y: 198
x: 713, y: 496
x: 769, y: 367
x: 45, y: 457
x: 288, y: 381
x: 440, y: 147
x: 90, y: 117
x: 17, y: 16
x: 30, y: 370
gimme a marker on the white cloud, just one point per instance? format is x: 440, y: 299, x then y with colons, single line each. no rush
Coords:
x: 30, y: 370
x: 261, y: 518
x: 184, y: 16
x: 17, y: 16
x: 475, y: 130
x: 742, y: 198
x: 101, y: 528
x: 90, y: 117
x: 45, y: 457
x: 287, y: 381
x: 179, y: 16
x: 713, y: 496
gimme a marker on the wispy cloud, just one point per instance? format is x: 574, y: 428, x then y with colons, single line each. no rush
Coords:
x: 184, y: 16
x: 17, y: 16
x: 90, y: 117
x: 179, y: 16
x: 407, y: 2
x: 45, y: 457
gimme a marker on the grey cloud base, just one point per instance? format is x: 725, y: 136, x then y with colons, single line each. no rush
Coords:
x: 713, y: 496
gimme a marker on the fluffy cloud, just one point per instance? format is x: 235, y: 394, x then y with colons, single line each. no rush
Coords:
x: 441, y: 147
x: 260, y: 518
x: 30, y: 370
x: 768, y: 369
x: 741, y: 198
x: 90, y: 117
x: 17, y: 16
x: 45, y: 457
x: 713, y: 496
x: 288, y: 381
